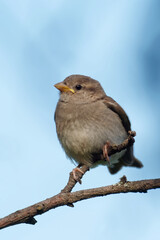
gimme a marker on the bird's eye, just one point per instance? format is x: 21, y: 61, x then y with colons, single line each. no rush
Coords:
x: 78, y: 87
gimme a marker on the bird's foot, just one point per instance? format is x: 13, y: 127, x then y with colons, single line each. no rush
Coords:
x: 105, y: 151
x: 77, y: 173
x: 132, y: 133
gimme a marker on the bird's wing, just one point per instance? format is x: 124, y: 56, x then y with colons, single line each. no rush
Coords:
x: 115, y: 107
x: 128, y: 158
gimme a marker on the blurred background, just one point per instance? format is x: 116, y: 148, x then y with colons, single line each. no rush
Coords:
x: 42, y: 42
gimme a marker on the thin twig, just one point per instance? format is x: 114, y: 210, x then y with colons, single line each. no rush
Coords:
x: 112, y: 149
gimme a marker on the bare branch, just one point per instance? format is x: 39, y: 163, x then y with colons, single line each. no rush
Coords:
x: 112, y: 150
x: 65, y: 197
x: 72, y: 182
x: 26, y: 215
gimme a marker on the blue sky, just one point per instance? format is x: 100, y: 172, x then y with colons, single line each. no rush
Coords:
x: 41, y: 43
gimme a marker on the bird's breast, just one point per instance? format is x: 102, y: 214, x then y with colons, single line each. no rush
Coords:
x: 83, y: 130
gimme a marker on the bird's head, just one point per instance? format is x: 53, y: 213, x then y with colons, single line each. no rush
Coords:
x: 80, y: 89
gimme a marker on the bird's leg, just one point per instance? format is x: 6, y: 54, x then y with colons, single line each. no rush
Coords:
x: 75, y: 172
x: 105, y: 151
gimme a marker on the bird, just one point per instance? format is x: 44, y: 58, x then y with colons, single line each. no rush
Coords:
x: 88, y: 121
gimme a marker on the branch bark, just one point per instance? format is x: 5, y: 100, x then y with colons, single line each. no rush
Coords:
x: 65, y: 197
x: 26, y: 215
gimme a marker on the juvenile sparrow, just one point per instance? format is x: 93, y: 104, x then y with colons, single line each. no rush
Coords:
x: 87, y: 120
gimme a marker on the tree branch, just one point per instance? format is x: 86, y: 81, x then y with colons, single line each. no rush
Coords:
x: 26, y: 215
x: 112, y: 150
x: 65, y: 197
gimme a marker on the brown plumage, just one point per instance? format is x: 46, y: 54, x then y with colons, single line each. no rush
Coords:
x: 86, y: 119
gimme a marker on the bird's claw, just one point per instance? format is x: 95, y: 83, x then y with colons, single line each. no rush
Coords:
x: 76, y: 176
x: 105, y: 151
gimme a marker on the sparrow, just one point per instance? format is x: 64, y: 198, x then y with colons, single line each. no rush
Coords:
x: 88, y: 121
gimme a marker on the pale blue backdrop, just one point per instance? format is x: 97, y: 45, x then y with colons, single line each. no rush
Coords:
x: 41, y: 42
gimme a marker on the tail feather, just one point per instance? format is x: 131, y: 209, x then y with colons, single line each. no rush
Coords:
x: 137, y: 163
x: 115, y: 168
x: 127, y: 160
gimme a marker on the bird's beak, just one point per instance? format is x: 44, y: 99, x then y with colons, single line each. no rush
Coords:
x: 63, y: 88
